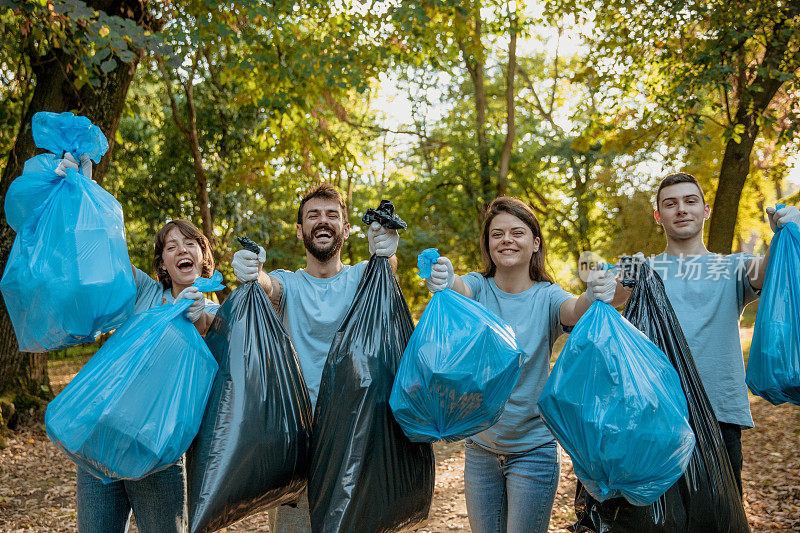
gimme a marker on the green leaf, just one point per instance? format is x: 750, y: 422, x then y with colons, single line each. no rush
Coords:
x: 174, y: 61
x: 101, y: 54
x: 108, y: 65
x: 126, y: 56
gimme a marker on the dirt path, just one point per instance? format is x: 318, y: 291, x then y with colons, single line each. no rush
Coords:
x: 37, y: 482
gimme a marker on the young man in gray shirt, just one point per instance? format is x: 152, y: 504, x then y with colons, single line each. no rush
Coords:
x: 708, y: 292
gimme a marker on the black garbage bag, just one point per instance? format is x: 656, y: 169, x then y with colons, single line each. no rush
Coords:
x: 252, y: 451
x: 365, y: 473
x: 385, y: 216
x: 706, y: 498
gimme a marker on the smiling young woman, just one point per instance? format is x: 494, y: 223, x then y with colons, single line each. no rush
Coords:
x: 512, y: 468
x: 181, y: 254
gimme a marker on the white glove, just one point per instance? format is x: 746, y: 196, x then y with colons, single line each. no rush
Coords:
x: 198, y: 306
x: 602, y: 285
x: 382, y: 241
x: 781, y: 217
x: 246, y: 264
x: 69, y: 161
x: 86, y: 166
x: 442, y: 276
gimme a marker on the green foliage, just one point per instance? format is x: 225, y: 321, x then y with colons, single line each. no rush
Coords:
x: 271, y: 87
x: 714, y: 75
x: 100, y: 40
x: 282, y: 96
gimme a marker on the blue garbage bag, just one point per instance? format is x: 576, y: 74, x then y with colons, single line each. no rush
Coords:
x: 31, y: 189
x: 615, y: 403
x: 65, y: 132
x: 773, y: 366
x: 458, y: 369
x: 135, y: 407
x: 68, y: 277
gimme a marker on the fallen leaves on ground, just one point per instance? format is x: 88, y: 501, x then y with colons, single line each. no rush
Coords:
x: 37, y: 482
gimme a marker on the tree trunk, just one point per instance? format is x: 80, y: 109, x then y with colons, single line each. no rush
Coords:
x: 199, y: 169
x: 24, y: 375
x: 480, y: 133
x: 202, y: 189
x: 754, y: 100
x: 732, y: 176
x: 189, y: 130
x: 473, y: 55
x: 735, y: 167
x: 508, y: 145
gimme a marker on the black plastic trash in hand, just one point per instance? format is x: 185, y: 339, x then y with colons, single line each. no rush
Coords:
x: 706, y: 498
x: 252, y: 451
x: 385, y: 216
x: 366, y: 475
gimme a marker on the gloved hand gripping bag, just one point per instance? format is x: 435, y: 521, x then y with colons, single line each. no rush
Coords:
x: 135, y: 407
x: 773, y: 366
x: 252, y: 450
x: 68, y: 277
x: 457, y: 372
x: 366, y: 475
x: 705, y: 499
x: 615, y: 403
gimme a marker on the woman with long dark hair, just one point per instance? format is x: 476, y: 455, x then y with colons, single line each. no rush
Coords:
x: 512, y: 468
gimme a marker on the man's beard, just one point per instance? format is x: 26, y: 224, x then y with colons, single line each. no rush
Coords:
x: 323, y: 254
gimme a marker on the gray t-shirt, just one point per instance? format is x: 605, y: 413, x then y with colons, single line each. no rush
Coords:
x: 708, y: 294
x: 150, y: 293
x: 312, y: 310
x: 534, y: 316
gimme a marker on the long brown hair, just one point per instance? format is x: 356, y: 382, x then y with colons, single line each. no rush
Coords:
x: 189, y: 231
x: 506, y: 204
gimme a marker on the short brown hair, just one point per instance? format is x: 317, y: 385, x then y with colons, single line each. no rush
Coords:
x: 506, y: 204
x: 678, y: 177
x: 326, y: 191
x: 189, y: 231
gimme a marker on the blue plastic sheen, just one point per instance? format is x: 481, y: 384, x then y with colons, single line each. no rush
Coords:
x: 773, y: 366
x: 615, y: 403
x: 457, y: 371
x: 425, y: 260
x: 30, y: 190
x: 68, y: 277
x: 65, y: 132
x: 136, y: 406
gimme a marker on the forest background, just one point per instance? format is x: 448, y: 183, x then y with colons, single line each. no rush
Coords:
x: 225, y: 112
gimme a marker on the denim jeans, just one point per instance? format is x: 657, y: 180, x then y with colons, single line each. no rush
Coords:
x: 158, y: 502
x: 513, y: 492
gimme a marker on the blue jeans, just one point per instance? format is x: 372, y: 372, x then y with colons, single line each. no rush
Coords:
x: 511, y: 493
x: 158, y: 502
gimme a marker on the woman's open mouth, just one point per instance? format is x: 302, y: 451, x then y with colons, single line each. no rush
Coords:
x: 185, y: 265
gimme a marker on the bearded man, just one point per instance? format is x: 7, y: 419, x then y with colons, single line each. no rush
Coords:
x: 312, y: 301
